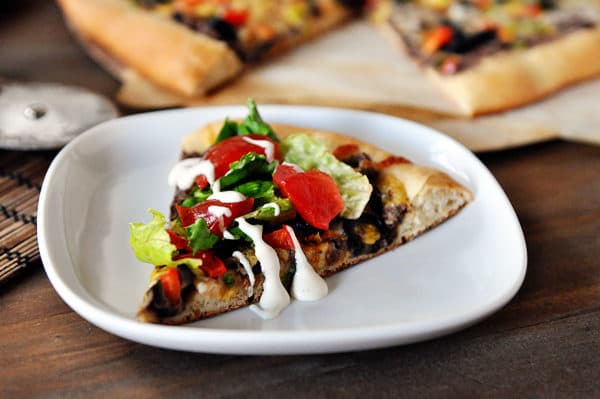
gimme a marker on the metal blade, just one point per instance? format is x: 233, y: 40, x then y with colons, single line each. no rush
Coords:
x: 46, y: 115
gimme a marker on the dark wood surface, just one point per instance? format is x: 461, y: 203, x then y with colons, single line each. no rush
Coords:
x: 544, y: 343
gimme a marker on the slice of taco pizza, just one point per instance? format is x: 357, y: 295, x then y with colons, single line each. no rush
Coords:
x: 263, y: 212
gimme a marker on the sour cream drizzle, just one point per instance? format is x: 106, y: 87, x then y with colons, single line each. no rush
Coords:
x: 228, y: 197
x: 184, y: 172
x: 266, y: 145
x: 307, y: 284
x: 244, y: 261
x: 219, y: 212
x: 275, y: 206
x: 274, y: 297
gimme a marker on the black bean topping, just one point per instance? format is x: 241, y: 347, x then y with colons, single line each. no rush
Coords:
x: 463, y: 43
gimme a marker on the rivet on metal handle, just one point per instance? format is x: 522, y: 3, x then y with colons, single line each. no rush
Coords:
x: 35, y: 111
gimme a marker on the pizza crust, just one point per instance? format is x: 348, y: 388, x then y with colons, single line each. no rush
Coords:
x: 511, y: 79
x: 158, y: 49
x: 159, y: 54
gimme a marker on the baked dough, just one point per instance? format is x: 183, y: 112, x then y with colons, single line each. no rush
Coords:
x: 167, y: 53
x: 513, y: 78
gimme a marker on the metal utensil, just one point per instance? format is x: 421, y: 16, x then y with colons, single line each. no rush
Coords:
x: 36, y: 116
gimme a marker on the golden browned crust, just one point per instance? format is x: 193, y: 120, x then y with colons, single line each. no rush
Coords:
x: 433, y: 197
x: 168, y: 54
x: 157, y: 48
x: 510, y: 79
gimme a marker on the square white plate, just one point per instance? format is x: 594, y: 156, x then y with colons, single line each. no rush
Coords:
x: 449, y: 278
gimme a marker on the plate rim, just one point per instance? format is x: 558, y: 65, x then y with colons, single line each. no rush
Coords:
x: 298, y: 341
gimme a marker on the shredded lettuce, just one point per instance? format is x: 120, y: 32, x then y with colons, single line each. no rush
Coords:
x: 311, y: 153
x: 150, y: 243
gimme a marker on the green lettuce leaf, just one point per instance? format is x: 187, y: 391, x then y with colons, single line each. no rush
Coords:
x: 150, y: 243
x: 250, y: 165
x: 229, y: 129
x: 253, y: 124
x: 200, y: 237
x: 262, y: 191
x: 311, y: 153
x: 196, y: 196
x: 267, y: 214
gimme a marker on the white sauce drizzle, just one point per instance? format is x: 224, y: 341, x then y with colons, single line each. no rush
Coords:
x: 307, y: 284
x: 185, y: 171
x: 219, y: 212
x: 244, y: 261
x: 275, y: 206
x: 228, y: 236
x: 228, y: 197
x: 274, y: 297
x: 293, y: 165
x: 266, y: 145
x: 216, y: 187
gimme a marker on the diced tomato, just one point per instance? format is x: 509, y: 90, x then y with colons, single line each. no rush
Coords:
x: 392, y: 160
x: 449, y: 66
x: 236, y: 17
x: 189, y: 215
x: 263, y: 32
x: 279, y: 239
x: 533, y: 10
x: 233, y: 148
x: 201, y: 182
x: 483, y: 4
x: 179, y: 242
x: 190, y: 3
x: 284, y: 171
x: 436, y: 39
x: 315, y: 196
x: 171, y: 284
x: 345, y: 151
x: 212, y: 265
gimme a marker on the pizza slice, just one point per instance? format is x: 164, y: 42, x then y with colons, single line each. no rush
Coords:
x: 191, y: 46
x: 262, y: 213
x: 491, y: 55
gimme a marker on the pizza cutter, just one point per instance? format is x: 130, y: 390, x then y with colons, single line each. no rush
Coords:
x: 39, y: 116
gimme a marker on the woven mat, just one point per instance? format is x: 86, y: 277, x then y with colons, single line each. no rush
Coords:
x: 21, y: 175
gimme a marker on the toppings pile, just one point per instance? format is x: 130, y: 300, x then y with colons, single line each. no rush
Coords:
x: 240, y: 197
x: 250, y: 27
x: 452, y: 35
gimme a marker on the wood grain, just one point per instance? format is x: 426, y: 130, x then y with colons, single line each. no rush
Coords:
x: 544, y: 344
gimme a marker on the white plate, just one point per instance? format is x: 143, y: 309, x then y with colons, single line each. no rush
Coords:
x: 449, y: 278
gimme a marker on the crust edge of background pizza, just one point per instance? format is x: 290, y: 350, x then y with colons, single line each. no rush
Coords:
x: 156, y: 48
x: 165, y: 55
x: 508, y: 80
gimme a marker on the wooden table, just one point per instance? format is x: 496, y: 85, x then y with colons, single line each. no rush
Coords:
x: 544, y: 343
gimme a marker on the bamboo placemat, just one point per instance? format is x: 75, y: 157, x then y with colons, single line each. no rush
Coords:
x: 21, y: 175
